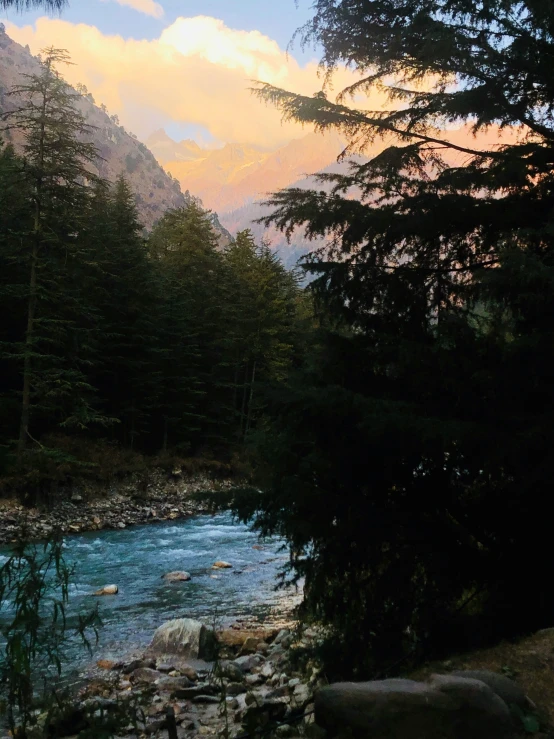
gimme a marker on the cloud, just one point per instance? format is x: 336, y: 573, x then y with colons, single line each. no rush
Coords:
x: 149, y: 7
x: 198, y: 71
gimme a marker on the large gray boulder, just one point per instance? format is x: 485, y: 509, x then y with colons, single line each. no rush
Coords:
x: 446, y: 707
x: 184, y: 637
x: 507, y: 689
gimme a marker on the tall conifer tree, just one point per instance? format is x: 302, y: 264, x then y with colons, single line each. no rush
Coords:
x: 55, y: 158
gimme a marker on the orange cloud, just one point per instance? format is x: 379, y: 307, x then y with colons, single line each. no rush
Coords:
x: 198, y: 71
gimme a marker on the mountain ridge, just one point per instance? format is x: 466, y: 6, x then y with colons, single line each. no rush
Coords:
x: 120, y: 152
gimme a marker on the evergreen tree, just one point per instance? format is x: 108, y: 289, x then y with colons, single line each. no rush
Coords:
x: 54, y: 166
x: 261, y: 310
x: 124, y: 298
x: 184, y: 248
x: 409, y: 465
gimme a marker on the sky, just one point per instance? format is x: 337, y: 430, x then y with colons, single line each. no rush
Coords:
x: 183, y: 65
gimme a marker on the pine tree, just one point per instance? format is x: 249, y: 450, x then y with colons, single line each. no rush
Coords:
x: 408, y: 466
x: 184, y: 248
x: 261, y: 310
x: 54, y: 165
x: 124, y: 296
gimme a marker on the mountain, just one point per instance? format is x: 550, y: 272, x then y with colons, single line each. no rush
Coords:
x: 235, y: 175
x: 120, y: 152
x: 246, y: 216
x: 165, y: 149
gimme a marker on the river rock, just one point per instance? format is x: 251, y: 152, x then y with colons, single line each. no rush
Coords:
x: 137, y: 664
x: 185, y: 637
x: 178, y: 576
x: 145, y: 675
x: 230, y: 671
x: 107, y: 590
x: 107, y: 664
x: 247, y: 662
x: 221, y: 565
x: 234, y: 689
x: 446, y: 707
x: 171, y: 684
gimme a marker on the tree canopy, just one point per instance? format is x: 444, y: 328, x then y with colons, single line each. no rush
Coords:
x: 408, y: 464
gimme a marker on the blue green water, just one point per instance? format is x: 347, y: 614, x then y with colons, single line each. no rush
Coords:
x: 136, y: 558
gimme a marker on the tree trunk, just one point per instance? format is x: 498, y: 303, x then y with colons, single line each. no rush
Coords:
x: 249, y: 414
x: 32, y: 305
x: 27, y: 360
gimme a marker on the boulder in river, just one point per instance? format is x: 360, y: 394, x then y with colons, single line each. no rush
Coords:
x: 446, y: 707
x: 178, y: 576
x: 185, y: 637
x: 221, y: 565
x: 107, y: 590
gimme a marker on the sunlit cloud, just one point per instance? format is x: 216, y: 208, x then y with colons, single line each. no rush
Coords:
x: 197, y: 72
x: 148, y: 7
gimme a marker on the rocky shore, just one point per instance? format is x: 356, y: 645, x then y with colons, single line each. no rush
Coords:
x: 158, y: 495
x: 241, y: 683
x: 224, y: 683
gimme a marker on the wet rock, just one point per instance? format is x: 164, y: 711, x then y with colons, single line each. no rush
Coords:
x: 171, y: 684
x: 248, y: 662
x: 178, y: 576
x: 121, y: 525
x: 204, y: 698
x: 231, y: 671
x: 302, y: 694
x: 195, y: 690
x: 259, y: 715
x: 253, y: 680
x: 107, y: 590
x: 235, y: 689
x: 164, y: 667
x: 107, y: 664
x: 268, y: 670
x: 221, y: 565
x: 145, y: 675
x: 137, y: 664
x: 185, y: 637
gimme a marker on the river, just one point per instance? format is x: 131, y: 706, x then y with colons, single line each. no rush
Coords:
x: 136, y: 558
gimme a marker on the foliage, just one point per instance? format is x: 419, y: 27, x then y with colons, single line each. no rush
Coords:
x: 34, y: 592
x: 154, y: 343
x: 408, y: 462
x: 21, y: 5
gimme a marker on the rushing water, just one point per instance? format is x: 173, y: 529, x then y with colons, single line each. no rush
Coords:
x: 136, y: 558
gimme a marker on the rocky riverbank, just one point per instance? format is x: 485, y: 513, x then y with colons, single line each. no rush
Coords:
x: 157, y: 495
x: 225, y: 684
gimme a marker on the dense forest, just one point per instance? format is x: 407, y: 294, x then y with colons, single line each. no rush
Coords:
x: 155, y: 342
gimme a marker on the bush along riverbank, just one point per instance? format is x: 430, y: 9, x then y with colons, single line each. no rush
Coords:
x: 88, y: 505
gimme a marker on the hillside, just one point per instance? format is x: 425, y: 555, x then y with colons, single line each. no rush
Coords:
x: 120, y: 151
